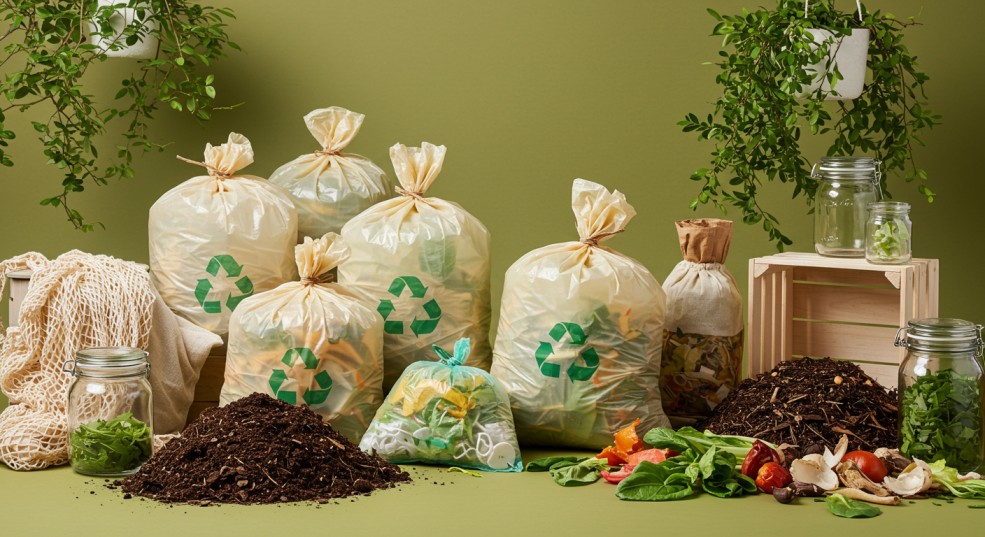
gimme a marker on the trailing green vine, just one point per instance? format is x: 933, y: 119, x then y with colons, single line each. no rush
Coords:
x: 758, y: 121
x: 47, y: 49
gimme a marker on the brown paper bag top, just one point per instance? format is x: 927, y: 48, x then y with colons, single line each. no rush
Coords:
x: 705, y: 240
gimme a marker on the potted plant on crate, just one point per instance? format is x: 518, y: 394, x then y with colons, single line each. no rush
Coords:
x: 770, y: 69
x: 49, y: 46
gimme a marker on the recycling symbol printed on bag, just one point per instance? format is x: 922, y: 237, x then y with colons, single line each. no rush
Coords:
x: 417, y: 291
x: 576, y: 337
x: 231, y: 270
x: 293, y: 358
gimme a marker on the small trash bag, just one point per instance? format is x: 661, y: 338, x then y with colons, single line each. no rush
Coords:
x: 580, y: 329
x: 702, y: 349
x: 218, y: 238
x: 310, y: 343
x: 424, y: 264
x: 446, y: 413
x: 329, y: 187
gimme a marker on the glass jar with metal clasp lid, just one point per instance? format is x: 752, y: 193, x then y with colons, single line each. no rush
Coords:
x: 110, y: 411
x: 845, y: 188
x: 941, y: 386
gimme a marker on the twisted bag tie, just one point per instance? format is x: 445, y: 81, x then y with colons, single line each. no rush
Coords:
x: 594, y: 240
x: 328, y: 277
x: 212, y: 171
x: 404, y: 192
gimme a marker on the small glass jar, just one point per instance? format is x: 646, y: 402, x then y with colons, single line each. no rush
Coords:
x: 845, y: 187
x: 941, y: 389
x: 110, y: 411
x: 888, y: 233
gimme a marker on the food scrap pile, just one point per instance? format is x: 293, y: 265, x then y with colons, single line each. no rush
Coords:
x: 810, y: 401
x: 260, y: 450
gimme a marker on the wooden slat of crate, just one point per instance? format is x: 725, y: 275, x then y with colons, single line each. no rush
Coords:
x: 807, y: 305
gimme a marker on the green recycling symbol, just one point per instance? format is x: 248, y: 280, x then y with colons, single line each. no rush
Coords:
x: 417, y: 290
x: 311, y: 396
x: 578, y: 338
x: 232, y: 269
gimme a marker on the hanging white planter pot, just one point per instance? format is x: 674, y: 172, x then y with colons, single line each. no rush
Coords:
x: 849, y: 53
x: 143, y: 49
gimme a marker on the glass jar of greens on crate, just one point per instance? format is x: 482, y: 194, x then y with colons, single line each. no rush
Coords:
x: 888, y: 232
x: 941, y: 385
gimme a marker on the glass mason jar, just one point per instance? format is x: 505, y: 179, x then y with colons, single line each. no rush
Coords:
x: 941, y: 388
x: 888, y: 233
x: 845, y: 188
x: 110, y: 411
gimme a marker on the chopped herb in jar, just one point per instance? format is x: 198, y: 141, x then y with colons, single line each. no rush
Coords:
x: 119, y: 445
x: 891, y: 241
x: 941, y: 419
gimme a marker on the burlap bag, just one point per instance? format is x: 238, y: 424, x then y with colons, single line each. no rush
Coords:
x: 578, y: 345
x: 219, y: 238
x: 80, y: 301
x: 424, y: 264
x: 702, y: 351
x: 310, y: 343
x: 329, y: 187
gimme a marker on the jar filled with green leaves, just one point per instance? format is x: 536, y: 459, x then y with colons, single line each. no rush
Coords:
x: 110, y: 411
x: 941, y: 388
x: 887, y: 233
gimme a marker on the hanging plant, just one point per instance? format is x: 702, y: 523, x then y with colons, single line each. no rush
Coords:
x: 49, y: 45
x: 775, y: 78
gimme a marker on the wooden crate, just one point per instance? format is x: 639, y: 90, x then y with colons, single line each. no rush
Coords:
x: 209, y: 383
x: 848, y: 309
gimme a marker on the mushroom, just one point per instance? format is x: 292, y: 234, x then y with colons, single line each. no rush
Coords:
x: 851, y: 476
x: 814, y: 470
x: 861, y: 495
x: 916, y: 478
x: 832, y: 459
x: 894, y: 460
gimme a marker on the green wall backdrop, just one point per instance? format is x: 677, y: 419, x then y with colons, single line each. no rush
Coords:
x: 527, y: 95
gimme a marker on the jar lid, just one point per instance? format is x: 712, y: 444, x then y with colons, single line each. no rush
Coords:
x: 847, y: 168
x: 941, y: 335
x: 889, y: 206
x: 109, y: 362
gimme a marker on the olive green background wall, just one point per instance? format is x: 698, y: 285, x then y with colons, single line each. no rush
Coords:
x: 527, y: 95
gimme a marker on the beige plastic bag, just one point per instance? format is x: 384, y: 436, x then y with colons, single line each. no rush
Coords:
x: 219, y: 238
x: 310, y: 342
x: 702, y: 351
x: 580, y: 328
x: 424, y: 264
x: 329, y: 187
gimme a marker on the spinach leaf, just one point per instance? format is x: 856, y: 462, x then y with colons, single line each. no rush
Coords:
x: 690, y: 438
x: 841, y: 506
x: 583, y: 473
x: 654, y: 482
x: 545, y: 463
x: 111, y: 446
x: 941, y: 419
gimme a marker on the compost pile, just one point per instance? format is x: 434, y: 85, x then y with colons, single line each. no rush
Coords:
x: 260, y: 450
x: 810, y: 401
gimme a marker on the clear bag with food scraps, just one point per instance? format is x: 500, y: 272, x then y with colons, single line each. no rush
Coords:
x: 578, y: 346
x: 446, y: 413
x: 702, y: 350
x: 329, y: 187
x: 310, y: 343
x: 424, y: 264
x: 219, y: 238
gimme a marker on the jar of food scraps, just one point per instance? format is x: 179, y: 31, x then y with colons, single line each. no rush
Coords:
x: 941, y: 388
x: 110, y: 411
x: 887, y: 233
x: 845, y: 188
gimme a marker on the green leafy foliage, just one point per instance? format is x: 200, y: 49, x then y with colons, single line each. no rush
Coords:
x: 712, y: 470
x: 844, y: 507
x: 941, y: 420
x: 960, y: 486
x: 687, y: 438
x: 570, y: 471
x: 108, y: 447
x: 46, y: 51
x: 891, y: 240
x: 758, y: 122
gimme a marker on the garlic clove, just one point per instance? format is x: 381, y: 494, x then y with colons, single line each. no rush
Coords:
x: 813, y: 470
x: 916, y: 478
x: 832, y: 459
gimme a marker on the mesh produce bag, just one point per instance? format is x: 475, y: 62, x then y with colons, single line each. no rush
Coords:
x: 310, y: 343
x: 578, y: 346
x: 446, y: 413
x: 424, y: 264
x: 217, y: 239
x: 329, y: 187
x: 702, y: 350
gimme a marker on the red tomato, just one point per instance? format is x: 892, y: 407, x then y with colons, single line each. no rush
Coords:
x: 772, y: 476
x: 869, y: 464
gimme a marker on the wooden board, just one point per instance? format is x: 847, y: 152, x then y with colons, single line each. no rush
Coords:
x: 845, y: 304
x: 845, y: 342
x: 210, y: 381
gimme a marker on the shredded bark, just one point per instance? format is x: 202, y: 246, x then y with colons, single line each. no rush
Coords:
x: 810, y: 401
x: 260, y: 450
